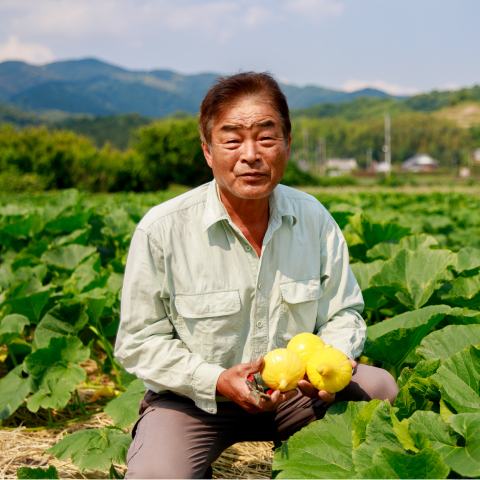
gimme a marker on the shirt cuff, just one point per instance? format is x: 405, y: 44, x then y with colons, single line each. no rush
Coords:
x: 205, y: 386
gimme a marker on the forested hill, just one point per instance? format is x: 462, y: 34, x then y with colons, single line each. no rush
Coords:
x: 93, y: 87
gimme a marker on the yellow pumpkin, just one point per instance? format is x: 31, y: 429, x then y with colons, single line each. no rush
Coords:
x: 329, y: 369
x: 283, y: 369
x: 304, y: 344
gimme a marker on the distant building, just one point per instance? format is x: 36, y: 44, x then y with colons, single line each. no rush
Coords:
x: 476, y: 155
x: 420, y: 163
x: 381, y: 167
x: 340, y: 166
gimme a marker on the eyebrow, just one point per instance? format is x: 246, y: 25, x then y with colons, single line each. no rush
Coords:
x: 267, y: 123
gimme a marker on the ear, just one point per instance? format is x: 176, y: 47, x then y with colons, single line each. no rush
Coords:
x: 288, y: 147
x: 207, y: 154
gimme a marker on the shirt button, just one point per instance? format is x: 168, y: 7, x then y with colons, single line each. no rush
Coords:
x: 248, y: 248
x: 259, y: 324
x: 259, y: 286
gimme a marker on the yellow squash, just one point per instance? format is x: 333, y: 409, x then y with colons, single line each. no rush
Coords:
x: 283, y: 369
x: 329, y: 369
x: 304, y: 344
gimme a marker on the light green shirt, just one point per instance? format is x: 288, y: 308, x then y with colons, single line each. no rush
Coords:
x: 197, y: 299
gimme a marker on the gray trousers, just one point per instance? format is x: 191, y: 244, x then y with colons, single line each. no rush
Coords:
x: 175, y: 439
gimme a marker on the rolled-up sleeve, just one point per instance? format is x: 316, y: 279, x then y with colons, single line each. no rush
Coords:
x: 339, y: 322
x: 145, y: 343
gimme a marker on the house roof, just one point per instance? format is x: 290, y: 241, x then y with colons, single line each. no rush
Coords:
x: 420, y: 160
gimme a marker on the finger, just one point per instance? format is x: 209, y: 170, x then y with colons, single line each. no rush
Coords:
x: 253, y: 367
x: 353, y: 363
x: 326, y: 396
x: 307, y: 389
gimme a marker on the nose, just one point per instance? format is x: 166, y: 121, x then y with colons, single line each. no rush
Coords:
x: 250, y: 152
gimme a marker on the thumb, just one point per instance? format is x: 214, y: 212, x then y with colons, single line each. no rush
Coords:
x: 255, y: 366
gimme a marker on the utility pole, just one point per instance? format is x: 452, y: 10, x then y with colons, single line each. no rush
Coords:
x: 387, y: 146
x: 305, y: 144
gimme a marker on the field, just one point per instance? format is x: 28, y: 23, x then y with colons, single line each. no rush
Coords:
x: 415, y: 252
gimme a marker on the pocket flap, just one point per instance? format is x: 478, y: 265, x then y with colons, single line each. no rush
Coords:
x: 301, y: 290
x: 208, y: 304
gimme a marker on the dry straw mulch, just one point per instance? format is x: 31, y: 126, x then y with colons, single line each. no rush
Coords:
x: 19, y: 448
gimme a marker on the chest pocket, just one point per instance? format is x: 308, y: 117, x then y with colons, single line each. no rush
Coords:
x: 209, y: 323
x: 299, y: 308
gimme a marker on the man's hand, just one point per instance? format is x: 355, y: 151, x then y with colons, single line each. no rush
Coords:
x: 309, y: 390
x: 231, y: 384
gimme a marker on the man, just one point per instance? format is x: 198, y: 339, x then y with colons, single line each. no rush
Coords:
x: 223, y: 274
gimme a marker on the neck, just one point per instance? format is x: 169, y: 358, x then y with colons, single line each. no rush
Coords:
x: 249, y: 215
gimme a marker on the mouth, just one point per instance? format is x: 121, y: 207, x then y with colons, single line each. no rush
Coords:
x: 252, y: 176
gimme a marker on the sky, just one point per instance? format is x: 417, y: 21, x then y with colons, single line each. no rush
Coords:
x: 400, y: 46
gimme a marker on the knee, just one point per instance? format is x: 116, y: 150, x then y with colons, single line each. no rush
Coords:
x: 385, y: 386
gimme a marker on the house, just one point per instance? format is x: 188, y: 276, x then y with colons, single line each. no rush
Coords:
x: 381, y: 167
x: 340, y: 166
x: 476, y: 155
x: 420, y: 163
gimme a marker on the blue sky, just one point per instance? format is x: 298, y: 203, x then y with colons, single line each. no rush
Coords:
x: 401, y: 46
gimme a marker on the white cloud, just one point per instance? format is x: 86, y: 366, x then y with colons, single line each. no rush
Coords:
x: 392, y: 88
x: 450, y: 86
x: 315, y: 8
x: 14, y: 49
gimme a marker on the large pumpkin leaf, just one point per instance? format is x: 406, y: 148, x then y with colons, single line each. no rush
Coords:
x: 124, y: 408
x: 33, y: 473
x: 392, y: 340
x: 68, y: 256
x: 395, y: 464
x: 69, y: 223
x: 13, y: 391
x: 322, y: 449
x: 66, y: 318
x: 364, y: 271
x: 462, y: 456
x: 459, y: 379
x: 468, y: 261
x: 12, y: 327
x: 390, y: 248
x: 31, y: 304
x: 77, y: 236
x: 444, y: 343
x: 463, y: 291
x: 93, y: 449
x: 85, y: 277
x: 411, y: 277
x: 379, y: 433
x: 372, y: 233
x: 461, y: 316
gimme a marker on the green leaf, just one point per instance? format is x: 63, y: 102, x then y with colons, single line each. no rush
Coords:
x: 124, y: 408
x: 69, y: 223
x: 25, y: 227
x: 390, y: 248
x: 459, y: 379
x: 12, y: 327
x: 66, y: 318
x: 401, y: 431
x: 93, y: 449
x: 322, y: 449
x: 85, y: 277
x: 444, y: 343
x: 396, y: 464
x: 30, y: 305
x: 379, y: 433
x: 61, y: 355
x: 77, y: 236
x: 392, y: 340
x: 67, y: 257
x: 359, y: 433
x: 463, y: 291
x: 415, y: 388
x: 364, y: 271
x: 372, y: 233
x: 32, y: 473
x: 461, y: 316
x: 411, y: 277
x: 468, y: 261
x: 14, y: 389
x: 462, y: 457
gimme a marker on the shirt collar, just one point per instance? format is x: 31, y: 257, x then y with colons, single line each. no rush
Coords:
x: 215, y: 210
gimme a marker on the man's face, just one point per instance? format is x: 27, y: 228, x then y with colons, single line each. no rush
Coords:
x: 248, y: 154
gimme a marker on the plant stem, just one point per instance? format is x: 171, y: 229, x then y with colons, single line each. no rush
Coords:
x: 12, y: 356
x: 82, y: 408
x: 50, y: 418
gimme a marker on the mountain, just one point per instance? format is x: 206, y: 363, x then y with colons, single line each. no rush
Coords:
x: 93, y: 87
